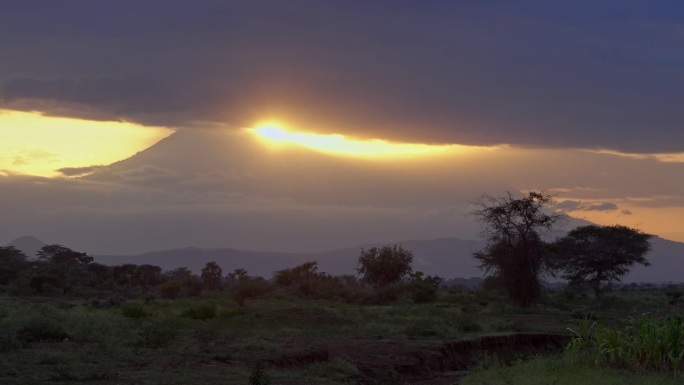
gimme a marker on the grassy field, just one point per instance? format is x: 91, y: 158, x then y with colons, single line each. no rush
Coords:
x: 212, y: 340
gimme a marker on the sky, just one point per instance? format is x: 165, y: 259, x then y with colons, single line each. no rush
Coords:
x: 128, y: 126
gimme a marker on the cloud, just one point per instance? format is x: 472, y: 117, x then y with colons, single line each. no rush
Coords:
x: 571, y: 205
x: 78, y: 171
x: 626, y: 212
x: 532, y: 74
x: 606, y: 206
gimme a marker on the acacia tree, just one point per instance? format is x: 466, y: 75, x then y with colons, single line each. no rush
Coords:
x: 384, y: 266
x: 599, y: 254
x: 514, y: 252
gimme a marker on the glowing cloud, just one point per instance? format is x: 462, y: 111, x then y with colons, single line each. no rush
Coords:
x: 35, y: 144
x: 338, y: 144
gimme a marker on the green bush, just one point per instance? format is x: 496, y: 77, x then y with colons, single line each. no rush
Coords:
x: 641, y: 344
x: 258, y: 376
x: 42, y: 329
x: 155, y: 336
x: 467, y: 324
x: 134, y: 310
x: 337, y: 369
x: 201, y: 311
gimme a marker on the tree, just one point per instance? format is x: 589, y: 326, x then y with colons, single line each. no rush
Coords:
x: 424, y: 288
x: 384, y: 266
x: 212, y: 275
x: 63, y: 257
x: 600, y: 254
x: 12, y: 262
x: 304, y: 277
x: 514, y: 251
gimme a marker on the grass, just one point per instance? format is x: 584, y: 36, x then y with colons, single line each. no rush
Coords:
x: 562, y: 370
x: 213, y: 341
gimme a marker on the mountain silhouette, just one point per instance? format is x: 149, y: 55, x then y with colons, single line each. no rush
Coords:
x: 28, y: 244
x: 445, y: 257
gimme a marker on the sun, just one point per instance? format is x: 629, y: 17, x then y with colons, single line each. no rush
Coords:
x: 337, y: 144
x: 40, y: 145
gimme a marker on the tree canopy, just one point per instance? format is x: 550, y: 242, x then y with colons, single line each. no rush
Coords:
x: 514, y: 251
x: 384, y: 266
x: 599, y: 254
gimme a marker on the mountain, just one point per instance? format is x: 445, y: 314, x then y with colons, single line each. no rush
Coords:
x: 29, y: 245
x: 446, y: 257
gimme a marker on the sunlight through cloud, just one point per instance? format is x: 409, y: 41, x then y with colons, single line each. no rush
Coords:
x: 35, y: 144
x: 338, y: 144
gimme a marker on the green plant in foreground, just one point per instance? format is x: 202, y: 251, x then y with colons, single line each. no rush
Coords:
x: 642, y: 344
x: 258, y: 376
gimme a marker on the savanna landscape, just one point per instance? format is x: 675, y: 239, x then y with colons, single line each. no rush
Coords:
x: 66, y: 319
x: 312, y: 192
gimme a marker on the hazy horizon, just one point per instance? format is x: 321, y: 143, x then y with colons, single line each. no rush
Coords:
x: 311, y: 126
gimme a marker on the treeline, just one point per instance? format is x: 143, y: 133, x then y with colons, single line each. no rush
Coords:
x: 384, y: 274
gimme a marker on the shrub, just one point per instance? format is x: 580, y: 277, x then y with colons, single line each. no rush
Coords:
x: 424, y: 288
x: 640, y: 344
x: 200, y: 311
x: 258, y: 376
x: 42, y: 329
x: 154, y: 336
x: 171, y: 289
x: 337, y: 369
x: 467, y: 324
x: 134, y: 310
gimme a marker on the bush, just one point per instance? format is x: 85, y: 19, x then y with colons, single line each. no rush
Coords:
x: 134, y: 310
x: 424, y: 288
x: 42, y: 329
x: 258, y: 376
x: 201, y: 311
x: 154, y: 336
x: 467, y: 324
x: 337, y: 369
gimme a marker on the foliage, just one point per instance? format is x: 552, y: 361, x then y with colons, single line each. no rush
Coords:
x: 42, y: 329
x: 248, y: 288
x: 597, y: 254
x: 201, y: 311
x: 212, y: 275
x: 258, y: 376
x: 641, y: 344
x: 155, y: 335
x: 134, y: 309
x: 424, y: 288
x: 63, y: 256
x: 336, y: 369
x: 514, y: 251
x: 12, y: 263
x: 384, y: 266
x: 304, y: 278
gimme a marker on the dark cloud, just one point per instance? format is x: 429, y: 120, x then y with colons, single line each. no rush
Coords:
x: 626, y: 212
x: 601, y: 207
x: 532, y: 73
x: 570, y: 206
x: 78, y: 171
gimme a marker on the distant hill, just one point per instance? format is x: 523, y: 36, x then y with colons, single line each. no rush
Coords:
x: 29, y: 245
x: 446, y: 257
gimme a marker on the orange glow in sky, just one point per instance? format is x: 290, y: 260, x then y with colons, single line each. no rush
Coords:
x: 35, y: 144
x: 337, y: 144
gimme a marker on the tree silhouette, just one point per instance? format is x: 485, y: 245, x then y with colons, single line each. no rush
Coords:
x: 12, y: 262
x: 384, y: 266
x: 212, y: 275
x: 514, y: 251
x: 598, y: 254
